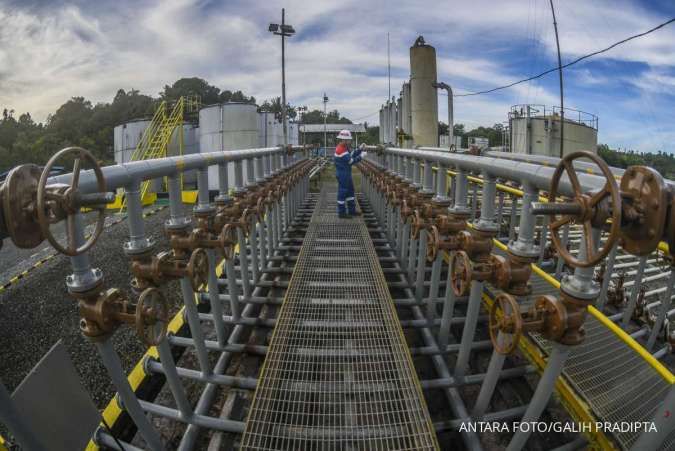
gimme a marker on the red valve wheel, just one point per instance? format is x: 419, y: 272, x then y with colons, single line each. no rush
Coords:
x: 152, y: 316
x: 68, y: 200
x: 461, y: 270
x: 588, y: 202
x: 508, y: 323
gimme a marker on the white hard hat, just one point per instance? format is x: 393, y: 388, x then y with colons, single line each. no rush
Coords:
x: 344, y: 134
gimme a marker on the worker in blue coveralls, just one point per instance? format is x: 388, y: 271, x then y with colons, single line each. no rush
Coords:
x: 344, y: 159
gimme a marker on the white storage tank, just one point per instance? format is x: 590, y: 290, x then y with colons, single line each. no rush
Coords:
x: 227, y: 126
x: 535, y: 130
x: 126, y: 138
x: 423, y: 95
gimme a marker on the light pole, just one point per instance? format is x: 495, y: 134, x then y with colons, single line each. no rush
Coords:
x: 301, y: 113
x: 284, y: 30
x: 325, y: 139
x: 451, y: 126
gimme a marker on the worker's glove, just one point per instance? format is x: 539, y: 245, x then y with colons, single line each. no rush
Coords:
x: 362, y: 146
x: 363, y: 154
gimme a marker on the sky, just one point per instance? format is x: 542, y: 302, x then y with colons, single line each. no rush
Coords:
x: 53, y: 50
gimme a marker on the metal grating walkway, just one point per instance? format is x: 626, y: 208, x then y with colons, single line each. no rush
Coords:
x: 338, y: 374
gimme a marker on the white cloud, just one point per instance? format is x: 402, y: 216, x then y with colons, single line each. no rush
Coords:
x: 51, y: 53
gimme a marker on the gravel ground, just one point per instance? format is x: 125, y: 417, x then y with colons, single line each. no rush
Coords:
x: 37, y: 312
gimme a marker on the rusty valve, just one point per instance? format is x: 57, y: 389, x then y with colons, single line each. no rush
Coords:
x: 165, y: 266
x: 589, y: 209
x: 102, y: 312
x: 30, y: 206
x: 547, y: 316
x: 436, y: 243
x: 463, y: 271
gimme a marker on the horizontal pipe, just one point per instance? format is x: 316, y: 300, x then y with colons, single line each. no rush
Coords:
x: 121, y: 175
x: 248, y: 383
x: 538, y: 175
x: 219, y: 424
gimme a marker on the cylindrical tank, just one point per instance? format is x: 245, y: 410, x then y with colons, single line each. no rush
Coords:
x: 535, y: 130
x: 381, y: 131
x: 227, y: 126
x: 423, y: 97
x: 406, y: 124
x: 126, y: 138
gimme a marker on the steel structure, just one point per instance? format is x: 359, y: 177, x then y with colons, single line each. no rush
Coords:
x: 337, y: 372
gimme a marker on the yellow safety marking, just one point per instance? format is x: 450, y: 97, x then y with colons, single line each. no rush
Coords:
x: 189, y: 197
x: 116, y: 204
x: 137, y: 375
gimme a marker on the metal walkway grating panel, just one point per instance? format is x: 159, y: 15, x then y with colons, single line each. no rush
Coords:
x: 338, y: 374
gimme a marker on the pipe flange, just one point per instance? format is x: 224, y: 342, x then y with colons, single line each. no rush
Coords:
x: 177, y: 224
x: 487, y: 226
x: 581, y: 290
x: 523, y: 250
x: 222, y: 199
x: 82, y: 283
x: 204, y: 209
x: 460, y: 211
x: 138, y: 247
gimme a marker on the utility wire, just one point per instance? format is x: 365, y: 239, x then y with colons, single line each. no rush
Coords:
x: 560, y: 74
x: 623, y: 41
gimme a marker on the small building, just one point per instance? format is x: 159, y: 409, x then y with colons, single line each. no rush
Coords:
x: 314, y: 133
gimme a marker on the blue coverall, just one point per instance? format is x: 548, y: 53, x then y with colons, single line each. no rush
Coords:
x: 344, y: 159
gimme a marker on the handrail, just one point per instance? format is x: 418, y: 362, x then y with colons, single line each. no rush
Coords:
x: 121, y: 175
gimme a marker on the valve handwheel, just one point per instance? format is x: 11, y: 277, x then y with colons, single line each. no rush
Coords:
x: 69, y: 199
x: 152, y: 316
x: 228, y: 238
x: 433, y: 241
x: 418, y: 223
x: 509, y: 322
x: 587, y: 204
x: 461, y: 270
x: 198, y: 269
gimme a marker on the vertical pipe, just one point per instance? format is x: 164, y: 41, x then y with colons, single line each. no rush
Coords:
x: 512, y: 218
x: 665, y: 306
x: 559, y: 260
x: 172, y: 378
x: 447, y: 314
x: 127, y: 395
x: 609, y: 269
x: 542, y: 394
x: 628, y: 313
x: 473, y: 308
x: 490, y: 382
x: 192, y: 315
x: 223, y: 182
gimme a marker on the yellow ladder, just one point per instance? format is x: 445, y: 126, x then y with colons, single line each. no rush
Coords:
x: 154, y: 142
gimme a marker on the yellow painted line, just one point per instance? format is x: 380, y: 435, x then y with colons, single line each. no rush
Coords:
x: 634, y: 345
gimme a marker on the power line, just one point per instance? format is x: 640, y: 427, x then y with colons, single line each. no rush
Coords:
x: 623, y: 41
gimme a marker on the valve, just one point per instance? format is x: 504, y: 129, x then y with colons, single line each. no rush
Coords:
x: 30, y: 206
x: 203, y: 238
x: 638, y: 209
x: 165, y: 266
x: 616, y: 293
x: 103, y: 311
x: 589, y: 209
x: 508, y: 322
x: 548, y: 316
